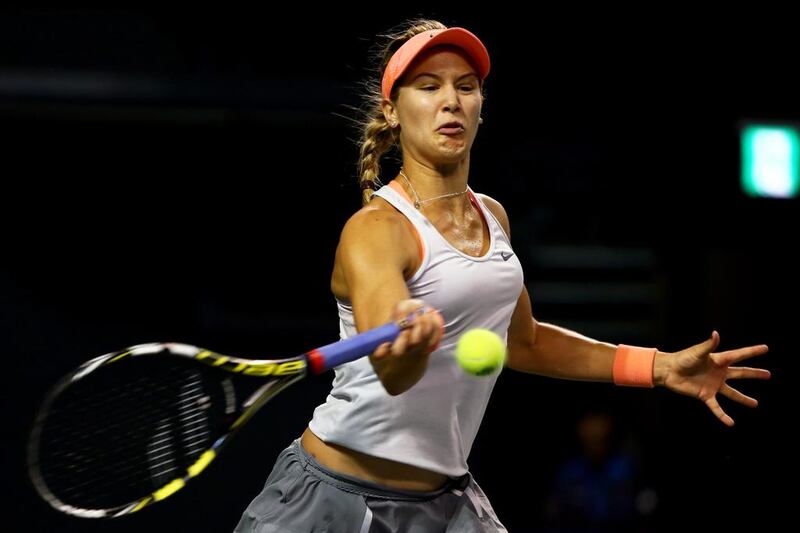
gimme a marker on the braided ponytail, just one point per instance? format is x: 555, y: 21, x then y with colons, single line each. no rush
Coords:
x: 377, y: 136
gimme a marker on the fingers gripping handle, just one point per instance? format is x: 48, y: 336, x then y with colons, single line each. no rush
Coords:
x: 337, y: 353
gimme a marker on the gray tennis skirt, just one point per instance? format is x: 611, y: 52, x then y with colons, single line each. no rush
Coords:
x: 302, y: 496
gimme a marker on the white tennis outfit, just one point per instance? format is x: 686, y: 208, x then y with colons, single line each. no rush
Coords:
x: 433, y: 424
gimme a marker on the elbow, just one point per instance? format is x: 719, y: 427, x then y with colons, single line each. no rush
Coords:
x: 394, y: 385
x: 520, y: 357
x: 397, y: 382
x: 399, y: 375
x: 394, y: 389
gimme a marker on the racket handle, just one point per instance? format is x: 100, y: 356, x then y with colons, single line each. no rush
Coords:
x: 355, y: 347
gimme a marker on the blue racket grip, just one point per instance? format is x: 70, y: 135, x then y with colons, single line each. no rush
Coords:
x: 346, y: 350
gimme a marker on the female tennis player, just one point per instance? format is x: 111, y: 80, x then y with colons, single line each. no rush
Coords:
x: 388, y: 449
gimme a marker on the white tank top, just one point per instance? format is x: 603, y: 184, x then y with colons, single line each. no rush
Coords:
x: 433, y: 424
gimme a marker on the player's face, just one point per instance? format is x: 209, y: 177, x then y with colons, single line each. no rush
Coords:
x: 440, y: 88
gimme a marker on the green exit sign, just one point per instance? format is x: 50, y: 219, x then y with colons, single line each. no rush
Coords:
x: 770, y: 160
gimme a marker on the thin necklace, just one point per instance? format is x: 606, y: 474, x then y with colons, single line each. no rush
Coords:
x: 418, y: 203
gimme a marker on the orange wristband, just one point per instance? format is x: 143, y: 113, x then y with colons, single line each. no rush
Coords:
x: 633, y: 366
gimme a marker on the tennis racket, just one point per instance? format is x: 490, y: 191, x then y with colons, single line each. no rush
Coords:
x: 131, y: 428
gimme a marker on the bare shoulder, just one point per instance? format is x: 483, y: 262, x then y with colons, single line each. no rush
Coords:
x: 374, y: 222
x: 379, y: 234
x: 497, y: 210
x: 375, y: 252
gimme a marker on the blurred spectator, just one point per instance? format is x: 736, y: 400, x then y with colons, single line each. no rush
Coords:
x: 597, y: 490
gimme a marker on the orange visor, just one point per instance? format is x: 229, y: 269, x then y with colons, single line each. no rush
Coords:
x: 406, y: 54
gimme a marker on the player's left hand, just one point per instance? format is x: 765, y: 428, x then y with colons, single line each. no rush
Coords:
x: 699, y: 372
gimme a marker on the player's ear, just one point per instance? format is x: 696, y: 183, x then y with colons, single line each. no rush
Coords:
x: 390, y: 113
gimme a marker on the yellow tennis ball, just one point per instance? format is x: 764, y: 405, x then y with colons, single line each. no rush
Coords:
x: 480, y: 352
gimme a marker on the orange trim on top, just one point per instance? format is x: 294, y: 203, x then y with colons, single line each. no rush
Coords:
x: 478, y: 207
x: 476, y: 203
x: 399, y: 190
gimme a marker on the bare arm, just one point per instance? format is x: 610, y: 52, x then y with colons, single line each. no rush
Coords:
x: 553, y: 351
x: 547, y: 349
x: 374, y: 251
x: 696, y: 371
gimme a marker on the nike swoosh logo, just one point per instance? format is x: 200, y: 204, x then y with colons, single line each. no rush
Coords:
x: 506, y: 255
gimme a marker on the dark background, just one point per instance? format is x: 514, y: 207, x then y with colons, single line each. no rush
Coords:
x: 184, y: 175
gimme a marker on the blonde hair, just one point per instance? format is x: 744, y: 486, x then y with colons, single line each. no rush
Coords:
x: 377, y: 137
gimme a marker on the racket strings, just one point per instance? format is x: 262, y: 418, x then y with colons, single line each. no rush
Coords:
x: 75, y: 423
x: 190, y: 426
x: 114, y: 437
x: 192, y: 407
